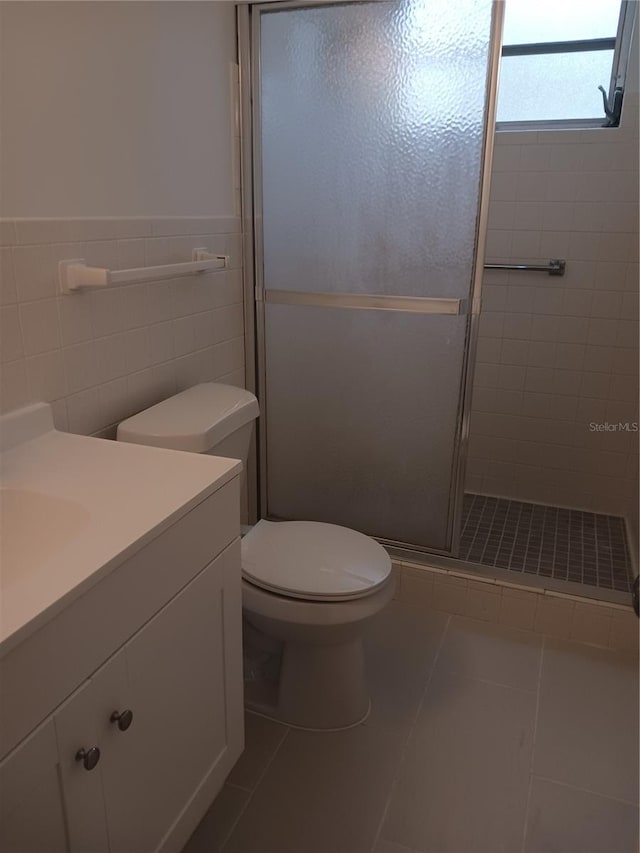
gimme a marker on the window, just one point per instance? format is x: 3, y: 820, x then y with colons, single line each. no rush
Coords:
x: 555, y: 55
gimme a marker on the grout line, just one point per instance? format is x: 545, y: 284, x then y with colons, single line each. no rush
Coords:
x: 251, y: 794
x: 468, y: 516
x: 587, y: 791
x: 238, y: 787
x: 555, y: 543
x: 533, y: 746
x: 477, y: 527
x: 502, y: 532
x: 500, y: 684
x: 515, y: 537
x: 488, y: 536
x: 403, y: 752
x: 526, y: 549
x: 582, y: 547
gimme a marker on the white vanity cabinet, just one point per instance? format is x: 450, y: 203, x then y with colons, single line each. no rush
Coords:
x: 164, y: 709
x: 32, y: 814
x: 181, y: 677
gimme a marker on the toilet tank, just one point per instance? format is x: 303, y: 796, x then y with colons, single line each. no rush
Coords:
x: 208, y: 418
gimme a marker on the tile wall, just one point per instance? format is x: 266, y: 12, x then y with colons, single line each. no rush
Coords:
x: 556, y: 614
x: 557, y: 354
x: 101, y: 356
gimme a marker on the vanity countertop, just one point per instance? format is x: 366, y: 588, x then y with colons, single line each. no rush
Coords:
x: 74, y: 507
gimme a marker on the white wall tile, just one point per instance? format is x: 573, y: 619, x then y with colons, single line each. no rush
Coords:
x: 602, y: 332
x: 46, y: 376
x: 137, y: 351
x: 8, y: 292
x: 570, y: 356
x: 607, y: 304
x: 74, y: 313
x: 100, y: 355
x: 576, y: 336
x: 40, y: 327
x: 36, y: 275
x: 83, y: 410
x: 161, y: 342
x: 131, y: 254
x: 516, y: 326
x: 111, y: 358
x: 14, y: 390
x: 81, y: 367
x: 107, y: 312
x: 11, y: 347
x: 506, y: 158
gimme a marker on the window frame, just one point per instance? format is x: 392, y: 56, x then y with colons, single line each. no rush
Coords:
x: 621, y: 44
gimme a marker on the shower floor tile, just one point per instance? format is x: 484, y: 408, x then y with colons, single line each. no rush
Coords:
x: 548, y: 541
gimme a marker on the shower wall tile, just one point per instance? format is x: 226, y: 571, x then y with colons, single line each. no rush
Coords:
x: 100, y: 356
x: 558, y: 356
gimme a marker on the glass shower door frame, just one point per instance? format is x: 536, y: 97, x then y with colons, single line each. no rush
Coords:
x: 249, y: 59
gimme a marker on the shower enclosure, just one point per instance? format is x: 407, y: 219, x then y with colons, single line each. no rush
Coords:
x: 372, y: 133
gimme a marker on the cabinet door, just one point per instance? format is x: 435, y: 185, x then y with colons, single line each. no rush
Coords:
x: 76, y: 723
x: 31, y: 805
x: 181, y: 676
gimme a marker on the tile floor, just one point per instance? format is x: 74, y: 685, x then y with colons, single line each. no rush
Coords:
x: 482, y: 737
x: 548, y: 541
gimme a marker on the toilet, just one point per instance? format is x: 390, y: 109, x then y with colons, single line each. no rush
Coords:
x: 308, y: 588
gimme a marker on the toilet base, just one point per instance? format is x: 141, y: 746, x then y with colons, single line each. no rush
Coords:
x: 320, y: 688
x: 304, y: 660
x: 270, y: 713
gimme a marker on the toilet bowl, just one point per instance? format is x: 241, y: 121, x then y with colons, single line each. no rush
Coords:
x: 308, y: 588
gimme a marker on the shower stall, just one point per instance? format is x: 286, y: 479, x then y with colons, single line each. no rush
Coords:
x: 370, y: 152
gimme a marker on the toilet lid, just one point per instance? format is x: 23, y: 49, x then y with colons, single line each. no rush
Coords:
x: 311, y: 560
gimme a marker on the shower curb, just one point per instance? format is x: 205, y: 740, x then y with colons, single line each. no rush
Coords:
x: 563, y: 615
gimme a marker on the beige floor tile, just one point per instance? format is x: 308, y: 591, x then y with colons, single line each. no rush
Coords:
x: 261, y: 739
x: 464, y: 783
x: 326, y: 792
x: 384, y: 846
x: 587, y: 733
x: 565, y: 820
x: 216, y: 825
x: 491, y: 652
x: 624, y: 631
x: 400, y: 648
x: 323, y: 792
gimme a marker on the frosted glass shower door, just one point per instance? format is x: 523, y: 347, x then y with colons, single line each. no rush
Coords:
x: 369, y: 135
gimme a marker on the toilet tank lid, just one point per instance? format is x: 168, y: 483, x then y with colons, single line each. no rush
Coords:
x: 194, y: 420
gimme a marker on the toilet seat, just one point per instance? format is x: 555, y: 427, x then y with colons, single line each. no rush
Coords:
x: 313, y: 561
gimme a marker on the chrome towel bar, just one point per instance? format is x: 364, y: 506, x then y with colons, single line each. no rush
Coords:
x: 556, y: 266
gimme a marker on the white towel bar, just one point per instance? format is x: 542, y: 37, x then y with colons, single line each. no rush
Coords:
x: 75, y: 275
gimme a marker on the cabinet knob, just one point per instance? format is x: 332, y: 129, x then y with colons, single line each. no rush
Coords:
x: 123, y: 719
x: 88, y: 757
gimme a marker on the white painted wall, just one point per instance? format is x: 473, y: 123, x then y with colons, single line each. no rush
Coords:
x: 116, y: 109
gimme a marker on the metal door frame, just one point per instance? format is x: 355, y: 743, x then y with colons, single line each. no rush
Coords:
x: 251, y: 174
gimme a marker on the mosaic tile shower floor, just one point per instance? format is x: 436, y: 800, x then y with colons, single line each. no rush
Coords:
x: 548, y: 541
